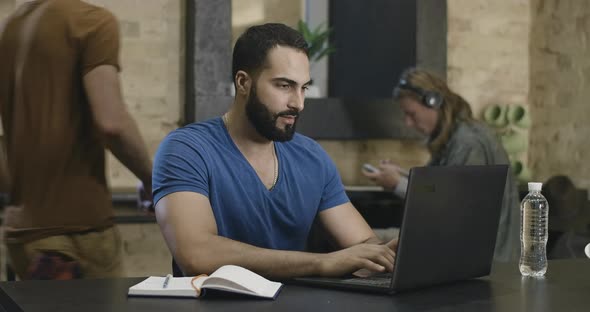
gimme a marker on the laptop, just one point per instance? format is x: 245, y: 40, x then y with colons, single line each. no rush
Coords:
x: 448, y: 230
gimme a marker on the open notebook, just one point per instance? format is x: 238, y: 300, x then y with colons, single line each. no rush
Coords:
x: 230, y: 278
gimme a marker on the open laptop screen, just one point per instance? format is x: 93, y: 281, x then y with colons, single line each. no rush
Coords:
x: 448, y: 231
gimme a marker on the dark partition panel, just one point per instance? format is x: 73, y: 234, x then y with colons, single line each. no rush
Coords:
x: 374, y: 40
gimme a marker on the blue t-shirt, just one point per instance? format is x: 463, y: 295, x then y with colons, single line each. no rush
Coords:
x: 203, y: 158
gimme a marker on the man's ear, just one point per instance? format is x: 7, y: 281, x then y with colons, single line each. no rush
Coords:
x: 243, y: 82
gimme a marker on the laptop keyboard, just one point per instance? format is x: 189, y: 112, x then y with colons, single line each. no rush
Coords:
x: 379, y: 280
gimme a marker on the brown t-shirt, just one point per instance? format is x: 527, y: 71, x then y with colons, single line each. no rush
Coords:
x: 55, y: 153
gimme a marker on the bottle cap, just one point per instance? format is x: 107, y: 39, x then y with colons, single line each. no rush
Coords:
x: 535, y: 186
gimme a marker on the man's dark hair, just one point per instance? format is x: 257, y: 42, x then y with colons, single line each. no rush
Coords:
x: 253, y: 45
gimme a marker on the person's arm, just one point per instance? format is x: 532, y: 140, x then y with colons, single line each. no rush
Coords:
x: 189, y: 228
x: 120, y: 131
x: 389, y: 177
x: 346, y: 228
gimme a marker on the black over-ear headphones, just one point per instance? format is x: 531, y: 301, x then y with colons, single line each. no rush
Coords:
x: 430, y: 99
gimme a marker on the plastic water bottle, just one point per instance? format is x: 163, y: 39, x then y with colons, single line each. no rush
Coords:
x: 534, y: 211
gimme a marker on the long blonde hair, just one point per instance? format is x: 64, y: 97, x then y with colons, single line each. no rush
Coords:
x: 453, y: 109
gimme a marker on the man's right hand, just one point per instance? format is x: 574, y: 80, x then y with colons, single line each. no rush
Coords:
x: 371, y: 257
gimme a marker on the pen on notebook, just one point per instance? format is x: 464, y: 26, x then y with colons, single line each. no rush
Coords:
x: 166, y: 280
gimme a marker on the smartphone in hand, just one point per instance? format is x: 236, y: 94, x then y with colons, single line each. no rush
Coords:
x: 370, y: 168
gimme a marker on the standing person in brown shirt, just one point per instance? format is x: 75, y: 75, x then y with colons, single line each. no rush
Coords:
x: 61, y: 106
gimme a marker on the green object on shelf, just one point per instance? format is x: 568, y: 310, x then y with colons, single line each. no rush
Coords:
x: 518, y: 115
x: 514, y: 142
x: 521, y: 172
x: 495, y: 115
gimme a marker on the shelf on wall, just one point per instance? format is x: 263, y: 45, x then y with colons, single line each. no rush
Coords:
x: 353, y: 119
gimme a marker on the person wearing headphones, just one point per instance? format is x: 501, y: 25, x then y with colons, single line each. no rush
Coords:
x: 454, y: 138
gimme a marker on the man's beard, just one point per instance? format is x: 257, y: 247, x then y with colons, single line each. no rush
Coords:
x: 265, y: 122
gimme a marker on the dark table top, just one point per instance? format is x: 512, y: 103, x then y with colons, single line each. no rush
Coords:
x: 566, y: 287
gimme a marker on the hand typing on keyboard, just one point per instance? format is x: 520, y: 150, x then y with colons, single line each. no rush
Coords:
x: 370, y: 257
x: 363, y: 273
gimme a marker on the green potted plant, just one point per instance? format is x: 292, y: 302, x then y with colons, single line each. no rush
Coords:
x: 319, y: 46
x: 317, y: 40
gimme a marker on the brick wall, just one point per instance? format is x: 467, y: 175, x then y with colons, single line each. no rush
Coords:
x: 152, y: 59
x: 560, y: 89
x: 488, y: 58
x: 488, y: 51
x: 252, y: 12
x: 349, y: 156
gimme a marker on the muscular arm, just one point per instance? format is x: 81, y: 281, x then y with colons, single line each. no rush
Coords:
x: 346, y: 226
x: 115, y: 123
x: 189, y: 228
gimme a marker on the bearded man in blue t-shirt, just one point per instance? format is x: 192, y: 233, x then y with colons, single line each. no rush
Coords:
x: 245, y: 188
